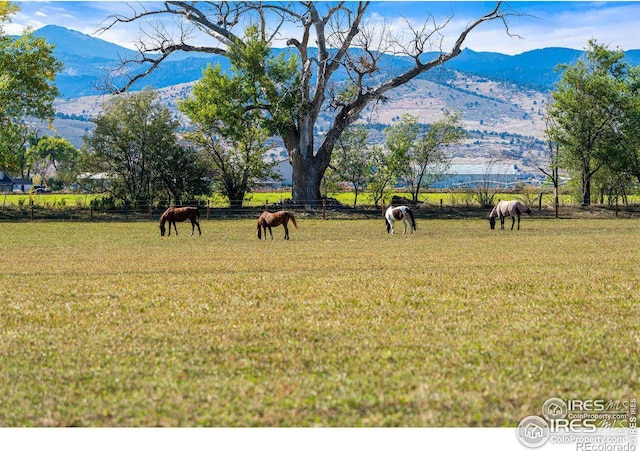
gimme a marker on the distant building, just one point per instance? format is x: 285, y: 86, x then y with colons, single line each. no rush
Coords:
x: 6, y: 184
x: 10, y: 184
x: 474, y: 175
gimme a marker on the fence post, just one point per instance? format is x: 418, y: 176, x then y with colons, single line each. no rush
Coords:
x: 540, y: 202
x: 31, y: 212
x: 91, y: 213
x: 324, y: 208
x: 441, y: 208
x: 208, y: 208
x: 616, y: 206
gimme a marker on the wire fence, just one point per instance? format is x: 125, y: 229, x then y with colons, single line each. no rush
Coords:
x: 327, y: 209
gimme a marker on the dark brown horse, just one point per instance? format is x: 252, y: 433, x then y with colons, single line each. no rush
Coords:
x: 179, y: 214
x: 268, y: 220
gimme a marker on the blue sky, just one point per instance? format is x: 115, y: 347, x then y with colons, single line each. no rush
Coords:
x: 542, y: 24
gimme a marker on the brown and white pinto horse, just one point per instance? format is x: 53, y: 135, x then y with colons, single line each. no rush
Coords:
x: 268, y: 220
x: 401, y: 213
x: 179, y: 214
x: 503, y: 209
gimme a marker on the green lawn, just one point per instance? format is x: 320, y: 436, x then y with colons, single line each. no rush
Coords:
x: 257, y: 199
x: 108, y: 324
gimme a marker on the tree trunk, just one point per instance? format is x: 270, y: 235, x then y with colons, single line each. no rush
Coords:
x: 586, y: 184
x: 308, y: 167
x: 306, y: 180
x: 586, y: 191
x: 235, y: 194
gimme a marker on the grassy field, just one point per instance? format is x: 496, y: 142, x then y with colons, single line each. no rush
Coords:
x: 108, y: 324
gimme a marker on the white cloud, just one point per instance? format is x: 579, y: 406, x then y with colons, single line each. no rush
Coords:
x: 543, y: 24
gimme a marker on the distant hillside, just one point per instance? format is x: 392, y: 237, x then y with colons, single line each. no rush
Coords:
x: 501, y: 98
x: 86, y: 58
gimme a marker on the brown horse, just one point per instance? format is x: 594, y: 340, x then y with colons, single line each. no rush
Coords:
x: 179, y: 214
x: 268, y: 220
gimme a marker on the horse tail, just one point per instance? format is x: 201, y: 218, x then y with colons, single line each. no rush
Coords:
x: 413, y: 220
x: 293, y: 219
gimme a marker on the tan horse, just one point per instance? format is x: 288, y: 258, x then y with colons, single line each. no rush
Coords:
x: 268, y: 220
x: 179, y: 214
x: 503, y: 209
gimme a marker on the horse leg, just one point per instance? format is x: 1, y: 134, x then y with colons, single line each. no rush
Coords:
x: 405, y: 226
x: 270, y: 233
x: 175, y: 226
x: 518, y: 222
x: 193, y: 228
x: 286, y: 231
x: 513, y: 221
x: 198, y: 224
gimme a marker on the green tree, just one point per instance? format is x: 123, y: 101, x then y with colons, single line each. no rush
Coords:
x: 428, y: 161
x: 587, y: 111
x: 383, y: 173
x: 27, y: 72
x: 135, y: 145
x: 400, y: 139
x: 53, y: 152
x: 630, y: 128
x: 325, y: 33
x: 14, y: 144
x: 180, y: 173
x: 352, y: 159
x: 229, y: 130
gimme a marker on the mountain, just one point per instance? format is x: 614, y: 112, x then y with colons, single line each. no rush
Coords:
x: 86, y: 58
x: 501, y: 97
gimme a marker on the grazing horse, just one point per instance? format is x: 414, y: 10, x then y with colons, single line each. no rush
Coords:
x: 503, y: 209
x: 179, y: 214
x: 268, y: 220
x: 402, y: 213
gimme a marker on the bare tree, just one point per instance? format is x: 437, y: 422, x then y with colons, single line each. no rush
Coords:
x: 326, y: 33
x: 491, y: 182
x: 551, y: 167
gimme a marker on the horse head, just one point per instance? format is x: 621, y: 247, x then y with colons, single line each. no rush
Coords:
x: 492, y: 222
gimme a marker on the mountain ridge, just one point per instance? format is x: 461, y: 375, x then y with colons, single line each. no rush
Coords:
x: 501, y: 97
x: 87, y: 57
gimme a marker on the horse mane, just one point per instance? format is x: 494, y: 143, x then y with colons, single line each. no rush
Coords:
x: 164, y: 215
